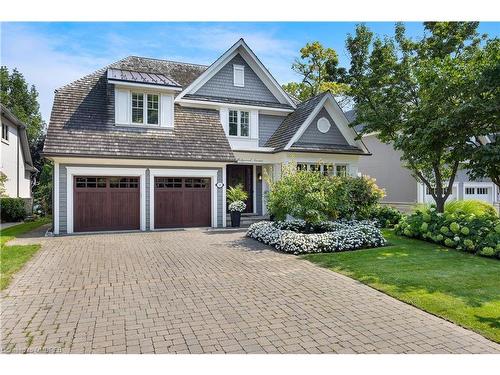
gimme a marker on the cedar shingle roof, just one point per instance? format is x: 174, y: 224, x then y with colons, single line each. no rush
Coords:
x: 82, y: 121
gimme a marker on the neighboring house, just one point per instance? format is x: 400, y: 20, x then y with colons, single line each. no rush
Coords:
x: 15, y: 159
x: 402, y: 189
x: 144, y: 144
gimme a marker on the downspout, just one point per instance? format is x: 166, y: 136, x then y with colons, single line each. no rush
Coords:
x: 17, y: 140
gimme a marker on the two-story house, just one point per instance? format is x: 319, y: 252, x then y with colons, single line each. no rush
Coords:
x: 144, y: 144
x: 15, y: 157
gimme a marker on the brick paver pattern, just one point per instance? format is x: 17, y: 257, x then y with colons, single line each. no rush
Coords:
x: 195, y: 291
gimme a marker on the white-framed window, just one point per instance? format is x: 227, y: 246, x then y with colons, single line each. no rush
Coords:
x: 5, y: 132
x: 341, y: 170
x: 145, y: 108
x: 326, y: 169
x: 470, y: 190
x: 482, y: 190
x: 239, y: 75
x: 139, y: 107
x: 239, y: 123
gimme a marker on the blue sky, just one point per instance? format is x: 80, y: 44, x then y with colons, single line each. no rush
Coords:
x: 53, y: 54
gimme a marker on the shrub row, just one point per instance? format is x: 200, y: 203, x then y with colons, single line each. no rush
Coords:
x: 459, y: 230
x: 288, y: 237
x: 12, y: 209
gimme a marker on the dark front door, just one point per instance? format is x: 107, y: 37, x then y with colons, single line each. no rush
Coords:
x: 106, y: 203
x: 241, y: 174
x: 182, y: 202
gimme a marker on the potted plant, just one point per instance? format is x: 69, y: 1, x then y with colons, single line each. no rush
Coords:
x: 236, y: 208
x: 236, y: 197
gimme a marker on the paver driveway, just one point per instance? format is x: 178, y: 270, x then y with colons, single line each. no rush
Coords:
x: 205, y: 292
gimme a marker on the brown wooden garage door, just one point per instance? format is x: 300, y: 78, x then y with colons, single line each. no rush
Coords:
x: 106, y: 203
x: 182, y: 202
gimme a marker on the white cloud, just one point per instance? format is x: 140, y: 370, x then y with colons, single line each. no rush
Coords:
x: 42, y: 61
x: 50, y: 61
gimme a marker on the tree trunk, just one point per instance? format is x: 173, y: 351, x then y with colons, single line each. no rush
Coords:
x: 440, y: 201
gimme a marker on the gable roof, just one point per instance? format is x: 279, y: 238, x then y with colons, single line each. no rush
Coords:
x: 292, y: 123
x: 240, y: 47
x: 287, y: 135
x: 82, y: 121
x: 23, y: 136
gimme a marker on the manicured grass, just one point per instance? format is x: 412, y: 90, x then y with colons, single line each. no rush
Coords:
x: 460, y: 287
x: 12, y: 258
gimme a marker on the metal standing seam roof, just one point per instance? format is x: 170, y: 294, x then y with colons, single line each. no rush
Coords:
x: 141, y: 77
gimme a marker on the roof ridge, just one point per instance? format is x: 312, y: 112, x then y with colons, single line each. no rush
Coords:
x: 166, y: 60
x: 100, y: 70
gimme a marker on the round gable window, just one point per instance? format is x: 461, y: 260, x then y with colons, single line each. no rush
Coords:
x: 323, y: 125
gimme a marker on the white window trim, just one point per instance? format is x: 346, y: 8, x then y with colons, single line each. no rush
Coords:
x: 71, y: 172
x: 210, y: 173
x: 480, y: 184
x: 144, y: 108
x: 236, y: 69
x: 5, y: 140
x: 238, y: 127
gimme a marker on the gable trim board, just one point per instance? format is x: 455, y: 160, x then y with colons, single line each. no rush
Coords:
x: 240, y: 47
x: 342, y: 124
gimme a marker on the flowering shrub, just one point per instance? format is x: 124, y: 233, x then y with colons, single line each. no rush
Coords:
x: 237, y: 206
x: 385, y: 216
x: 466, y: 232
x: 338, y: 236
x: 315, y: 198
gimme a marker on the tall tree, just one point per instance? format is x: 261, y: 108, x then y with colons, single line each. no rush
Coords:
x: 22, y: 101
x: 425, y: 96
x: 319, y: 68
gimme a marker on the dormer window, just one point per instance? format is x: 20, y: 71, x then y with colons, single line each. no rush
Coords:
x: 140, y: 112
x: 239, y: 75
x: 143, y: 108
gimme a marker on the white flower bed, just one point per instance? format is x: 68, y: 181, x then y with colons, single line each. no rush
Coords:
x: 340, y: 236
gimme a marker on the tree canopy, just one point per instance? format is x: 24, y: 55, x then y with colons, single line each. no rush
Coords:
x: 319, y: 68
x: 428, y: 97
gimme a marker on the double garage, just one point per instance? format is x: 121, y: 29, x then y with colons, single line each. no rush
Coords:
x: 111, y: 203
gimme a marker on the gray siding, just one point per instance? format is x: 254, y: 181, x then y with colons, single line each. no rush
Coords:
x: 313, y: 136
x: 63, y: 194
x: 385, y: 166
x: 62, y: 200
x: 222, y: 85
x: 267, y: 126
x: 258, y: 192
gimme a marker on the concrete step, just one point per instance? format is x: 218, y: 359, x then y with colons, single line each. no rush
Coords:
x: 248, y: 219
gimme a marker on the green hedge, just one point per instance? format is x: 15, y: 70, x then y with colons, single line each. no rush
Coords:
x: 467, y: 232
x: 385, y: 216
x: 12, y: 209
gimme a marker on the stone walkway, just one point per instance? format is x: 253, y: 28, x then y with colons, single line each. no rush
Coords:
x: 205, y: 292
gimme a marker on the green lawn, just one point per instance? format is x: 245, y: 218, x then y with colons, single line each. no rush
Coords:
x: 12, y: 258
x: 460, y: 287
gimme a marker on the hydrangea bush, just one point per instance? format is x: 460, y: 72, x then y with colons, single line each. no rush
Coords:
x: 385, y: 216
x: 289, y: 236
x: 459, y: 230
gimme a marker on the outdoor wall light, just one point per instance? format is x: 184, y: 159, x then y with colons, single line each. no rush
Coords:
x: 259, y: 177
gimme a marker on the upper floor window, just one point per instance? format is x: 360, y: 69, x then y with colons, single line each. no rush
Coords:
x: 143, y: 108
x: 239, y: 123
x: 5, y: 132
x: 239, y: 75
x: 141, y: 112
